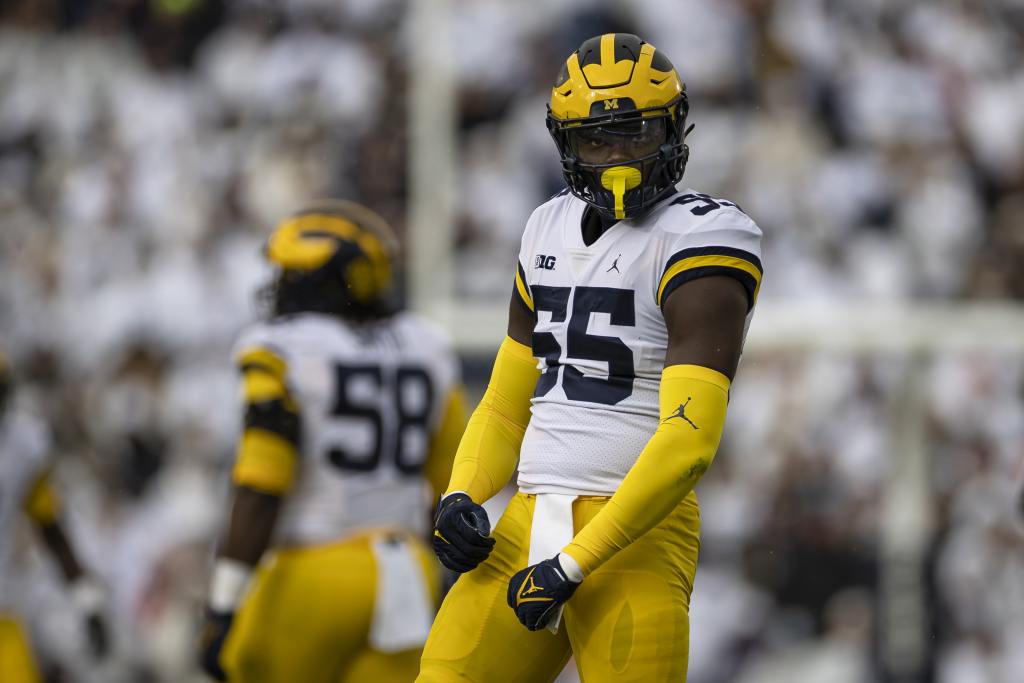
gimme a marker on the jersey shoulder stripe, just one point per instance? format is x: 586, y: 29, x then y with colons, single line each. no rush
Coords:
x: 269, y: 445
x: 42, y: 504
x: 522, y: 288
x: 696, y: 262
x: 262, y: 358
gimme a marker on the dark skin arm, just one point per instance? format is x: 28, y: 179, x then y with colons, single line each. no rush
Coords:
x: 59, y: 546
x: 520, y: 321
x: 704, y: 317
x: 253, y: 515
x: 57, y: 543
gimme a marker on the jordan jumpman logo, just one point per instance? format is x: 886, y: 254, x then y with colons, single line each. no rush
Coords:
x: 681, y: 412
x: 615, y: 265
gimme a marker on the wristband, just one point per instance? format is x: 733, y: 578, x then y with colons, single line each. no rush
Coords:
x: 571, y: 567
x: 227, y: 584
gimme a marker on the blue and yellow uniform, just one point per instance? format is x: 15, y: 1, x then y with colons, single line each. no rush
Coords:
x: 350, y: 425
x: 607, y: 436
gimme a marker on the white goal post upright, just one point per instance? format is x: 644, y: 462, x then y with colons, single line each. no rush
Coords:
x: 431, y: 105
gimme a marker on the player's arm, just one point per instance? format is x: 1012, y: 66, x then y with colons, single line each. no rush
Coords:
x: 489, y: 450
x: 43, y: 506
x: 264, y: 472
x: 705, y: 319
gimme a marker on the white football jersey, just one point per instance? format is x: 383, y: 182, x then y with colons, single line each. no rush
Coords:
x: 600, y: 334
x: 370, y: 398
x: 24, y: 458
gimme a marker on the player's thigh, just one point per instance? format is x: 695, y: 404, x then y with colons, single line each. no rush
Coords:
x: 476, y: 636
x: 308, y: 612
x: 629, y: 620
x: 370, y: 666
x: 16, y: 662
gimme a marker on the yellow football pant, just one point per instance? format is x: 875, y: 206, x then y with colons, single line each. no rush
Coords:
x: 16, y: 663
x: 307, y: 618
x: 628, y: 621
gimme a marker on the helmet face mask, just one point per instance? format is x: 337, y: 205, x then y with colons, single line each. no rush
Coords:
x: 619, y: 104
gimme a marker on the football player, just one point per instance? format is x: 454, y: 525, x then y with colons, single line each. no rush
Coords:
x: 26, y: 487
x: 353, y: 412
x: 628, y: 313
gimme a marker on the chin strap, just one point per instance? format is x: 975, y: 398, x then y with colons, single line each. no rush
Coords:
x: 619, y: 180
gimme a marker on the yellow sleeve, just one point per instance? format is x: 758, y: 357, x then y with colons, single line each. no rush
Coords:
x: 445, y: 442
x: 268, y: 448
x: 693, y: 401
x: 42, y: 504
x: 489, y: 450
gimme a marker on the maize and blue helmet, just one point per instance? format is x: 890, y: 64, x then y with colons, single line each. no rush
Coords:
x: 336, y: 257
x: 617, y: 96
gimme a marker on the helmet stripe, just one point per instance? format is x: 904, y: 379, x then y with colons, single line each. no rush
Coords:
x: 608, y: 51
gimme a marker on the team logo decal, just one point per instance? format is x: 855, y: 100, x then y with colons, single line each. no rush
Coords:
x: 545, y: 262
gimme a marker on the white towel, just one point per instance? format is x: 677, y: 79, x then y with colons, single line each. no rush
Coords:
x: 403, y: 608
x: 551, y: 531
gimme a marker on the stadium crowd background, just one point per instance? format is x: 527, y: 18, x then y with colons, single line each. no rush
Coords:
x: 148, y: 146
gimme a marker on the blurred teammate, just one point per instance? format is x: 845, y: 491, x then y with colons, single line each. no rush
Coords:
x: 635, y: 298
x: 25, y: 487
x: 353, y: 412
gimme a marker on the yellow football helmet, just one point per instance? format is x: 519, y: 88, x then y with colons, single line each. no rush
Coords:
x: 618, y: 117
x: 334, y: 256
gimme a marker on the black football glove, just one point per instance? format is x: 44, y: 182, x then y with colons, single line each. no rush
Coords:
x: 537, y: 592
x: 211, y: 641
x: 462, y: 533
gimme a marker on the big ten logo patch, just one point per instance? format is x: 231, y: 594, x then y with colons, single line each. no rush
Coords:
x: 545, y: 262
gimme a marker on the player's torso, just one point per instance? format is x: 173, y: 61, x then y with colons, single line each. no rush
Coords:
x: 369, y: 398
x: 601, y: 339
x: 598, y: 328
